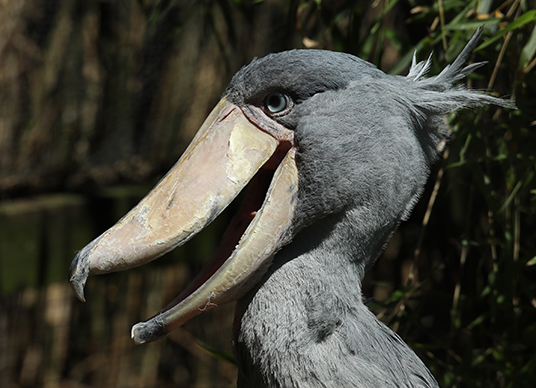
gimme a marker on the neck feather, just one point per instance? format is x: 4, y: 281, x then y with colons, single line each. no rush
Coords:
x: 305, y: 324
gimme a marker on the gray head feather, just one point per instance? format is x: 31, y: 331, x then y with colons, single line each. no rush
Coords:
x: 366, y: 141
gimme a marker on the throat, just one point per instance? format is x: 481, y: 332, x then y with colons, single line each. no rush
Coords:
x: 305, y: 323
x: 300, y: 307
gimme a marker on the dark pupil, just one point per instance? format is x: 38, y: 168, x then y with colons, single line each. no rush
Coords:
x: 276, y: 102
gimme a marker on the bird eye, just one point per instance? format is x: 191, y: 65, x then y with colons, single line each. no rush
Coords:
x: 276, y: 102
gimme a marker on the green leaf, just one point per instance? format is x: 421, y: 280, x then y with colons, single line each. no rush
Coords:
x: 531, y: 261
x: 527, y: 17
x: 528, y: 51
x: 477, y: 321
x: 218, y: 353
x: 471, y: 25
x: 510, y: 197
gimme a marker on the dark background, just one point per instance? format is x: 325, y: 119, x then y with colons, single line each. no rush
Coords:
x: 99, y: 98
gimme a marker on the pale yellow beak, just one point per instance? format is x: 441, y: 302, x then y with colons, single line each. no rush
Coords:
x: 227, y: 153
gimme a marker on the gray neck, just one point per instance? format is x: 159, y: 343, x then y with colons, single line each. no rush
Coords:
x: 305, y: 324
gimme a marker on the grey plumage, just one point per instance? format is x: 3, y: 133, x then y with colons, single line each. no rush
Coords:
x: 343, y: 152
x: 365, y: 145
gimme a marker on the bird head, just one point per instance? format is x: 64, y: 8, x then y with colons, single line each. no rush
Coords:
x: 307, y: 134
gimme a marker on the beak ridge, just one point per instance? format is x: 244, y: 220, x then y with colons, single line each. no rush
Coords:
x: 227, y: 152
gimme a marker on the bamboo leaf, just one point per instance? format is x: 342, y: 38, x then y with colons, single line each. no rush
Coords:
x: 510, y: 197
x: 528, y: 51
x: 527, y: 17
x: 218, y: 353
x: 471, y: 25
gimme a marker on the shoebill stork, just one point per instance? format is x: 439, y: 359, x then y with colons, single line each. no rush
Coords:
x: 333, y: 154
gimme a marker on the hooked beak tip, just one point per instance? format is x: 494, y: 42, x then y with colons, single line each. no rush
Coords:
x: 78, y: 274
x: 150, y: 331
x: 227, y: 153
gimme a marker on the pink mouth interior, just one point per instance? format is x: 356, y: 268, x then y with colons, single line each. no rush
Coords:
x: 254, y: 196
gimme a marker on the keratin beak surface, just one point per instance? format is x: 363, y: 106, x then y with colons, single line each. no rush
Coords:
x: 227, y: 152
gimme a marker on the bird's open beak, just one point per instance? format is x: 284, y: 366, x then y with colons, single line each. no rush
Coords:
x: 229, y: 151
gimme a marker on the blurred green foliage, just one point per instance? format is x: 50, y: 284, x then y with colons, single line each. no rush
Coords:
x: 469, y: 304
x: 471, y: 311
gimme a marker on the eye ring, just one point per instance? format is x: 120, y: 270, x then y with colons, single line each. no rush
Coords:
x: 276, y: 102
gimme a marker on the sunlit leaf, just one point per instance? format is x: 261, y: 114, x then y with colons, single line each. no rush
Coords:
x: 528, y: 51
x: 527, y: 17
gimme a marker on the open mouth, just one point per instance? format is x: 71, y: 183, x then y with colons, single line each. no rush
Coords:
x: 229, y: 153
x: 253, y: 197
